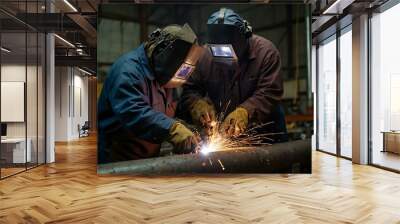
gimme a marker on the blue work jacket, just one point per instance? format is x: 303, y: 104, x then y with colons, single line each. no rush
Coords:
x: 134, y: 111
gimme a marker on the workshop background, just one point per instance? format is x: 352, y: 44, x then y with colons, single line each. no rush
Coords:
x: 122, y: 28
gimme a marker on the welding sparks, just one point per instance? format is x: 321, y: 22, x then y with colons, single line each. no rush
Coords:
x: 207, y: 149
x: 222, y: 166
x: 211, y: 146
x: 218, y: 140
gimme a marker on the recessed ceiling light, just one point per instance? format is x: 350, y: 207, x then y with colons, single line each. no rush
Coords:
x: 84, y: 71
x: 70, y: 5
x: 65, y: 41
x: 5, y: 50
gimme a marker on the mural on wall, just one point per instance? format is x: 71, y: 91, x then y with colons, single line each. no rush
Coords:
x: 200, y: 89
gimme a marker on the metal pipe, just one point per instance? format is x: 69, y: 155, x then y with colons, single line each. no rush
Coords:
x: 290, y: 157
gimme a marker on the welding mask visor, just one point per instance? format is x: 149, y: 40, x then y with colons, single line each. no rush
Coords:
x: 167, y: 60
x: 186, y: 68
x: 173, y: 53
x: 228, y: 34
x: 224, y: 55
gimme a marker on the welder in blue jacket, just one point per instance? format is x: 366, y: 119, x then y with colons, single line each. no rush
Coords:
x: 136, y: 108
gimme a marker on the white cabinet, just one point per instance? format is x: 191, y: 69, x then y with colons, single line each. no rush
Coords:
x: 16, y: 150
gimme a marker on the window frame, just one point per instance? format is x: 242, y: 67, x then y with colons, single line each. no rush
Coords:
x: 378, y: 10
x: 346, y: 27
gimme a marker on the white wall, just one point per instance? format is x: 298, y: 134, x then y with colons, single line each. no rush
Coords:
x: 71, y: 102
x: 11, y: 73
x: 61, y: 103
x: 15, y: 72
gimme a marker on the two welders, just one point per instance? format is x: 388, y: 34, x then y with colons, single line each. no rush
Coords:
x: 234, y: 79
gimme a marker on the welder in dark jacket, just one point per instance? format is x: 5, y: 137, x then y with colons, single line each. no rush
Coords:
x: 135, y: 108
x: 239, y: 76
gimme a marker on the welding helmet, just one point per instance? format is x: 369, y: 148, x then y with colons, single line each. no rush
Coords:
x: 227, y: 27
x: 173, y: 54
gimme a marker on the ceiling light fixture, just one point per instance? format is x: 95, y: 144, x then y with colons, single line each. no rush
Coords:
x: 84, y: 71
x: 5, y: 50
x: 65, y: 41
x: 70, y: 5
x: 337, y: 7
x: 80, y: 51
x: 329, y: 9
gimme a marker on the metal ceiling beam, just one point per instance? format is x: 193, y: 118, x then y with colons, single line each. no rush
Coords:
x: 320, y: 23
x: 81, y: 61
x: 15, y: 18
x: 91, y: 5
x: 337, y: 7
x: 80, y: 20
x: 49, y: 22
x: 84, y: 24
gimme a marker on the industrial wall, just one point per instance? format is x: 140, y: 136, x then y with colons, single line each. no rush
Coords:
x: 285, y: 27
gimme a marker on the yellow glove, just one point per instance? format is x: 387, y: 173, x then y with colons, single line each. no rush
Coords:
x: 236, y: 122
x: 184, y: 140
x: 202, y: 112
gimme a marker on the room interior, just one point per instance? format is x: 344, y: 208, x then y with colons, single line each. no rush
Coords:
x: 49, y: 68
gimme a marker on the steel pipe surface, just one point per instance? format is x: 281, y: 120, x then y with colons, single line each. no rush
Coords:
x: 290, y: 157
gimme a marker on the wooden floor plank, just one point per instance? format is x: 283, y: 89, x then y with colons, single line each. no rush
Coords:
x: 70, y: 191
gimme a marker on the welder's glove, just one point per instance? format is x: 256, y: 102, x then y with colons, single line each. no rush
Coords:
x: 202, y: 112
x: 184, y: 140
x: 236, y: 122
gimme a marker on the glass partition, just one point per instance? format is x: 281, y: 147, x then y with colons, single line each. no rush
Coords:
x: 22, y: 78
x: 326, y: 60
x: 14, y: 151
x: 346, y: 92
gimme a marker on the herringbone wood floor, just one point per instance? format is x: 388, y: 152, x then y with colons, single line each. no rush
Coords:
x: 69, y: 191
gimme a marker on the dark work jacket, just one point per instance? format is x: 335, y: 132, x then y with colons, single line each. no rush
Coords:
x: 134, y: 112
x: 256, y: 85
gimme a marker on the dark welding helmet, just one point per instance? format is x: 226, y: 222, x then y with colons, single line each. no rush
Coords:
x: 173, y: 54
x: 227, y: 27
